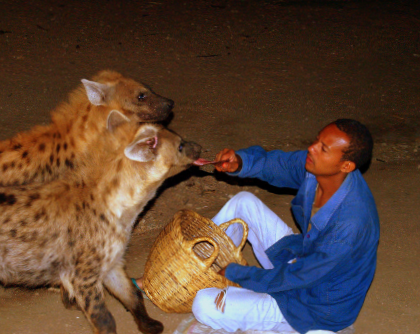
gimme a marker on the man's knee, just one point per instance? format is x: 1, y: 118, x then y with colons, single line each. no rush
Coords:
x: 201, y: 302
x: 203, y: 305
x: 245, y: 196
x: 244, y: 199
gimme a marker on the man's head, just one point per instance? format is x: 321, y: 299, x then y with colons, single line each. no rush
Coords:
x: 340, y: 147
x: 361, y: 143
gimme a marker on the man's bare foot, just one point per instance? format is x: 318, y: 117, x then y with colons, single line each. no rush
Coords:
x: 139, y: 282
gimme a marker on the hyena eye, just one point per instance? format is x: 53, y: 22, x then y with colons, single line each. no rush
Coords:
x: 181, y: 147
x: 141, y: 96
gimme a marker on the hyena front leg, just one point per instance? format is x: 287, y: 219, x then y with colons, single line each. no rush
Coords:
x: 91, y: 300
x: 122, y: 288
x: 69, y: 302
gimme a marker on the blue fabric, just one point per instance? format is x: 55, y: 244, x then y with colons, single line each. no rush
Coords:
x: 336, y: 260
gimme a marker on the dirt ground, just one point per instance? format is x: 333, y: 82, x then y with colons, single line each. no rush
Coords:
x: 242, y: 73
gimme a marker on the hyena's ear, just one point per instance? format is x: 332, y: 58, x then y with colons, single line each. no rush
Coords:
x: 115, y: 119
x: 97, y: 93
x: 143, y: 147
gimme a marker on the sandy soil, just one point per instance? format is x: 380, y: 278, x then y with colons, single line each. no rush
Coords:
x: 242, y: 73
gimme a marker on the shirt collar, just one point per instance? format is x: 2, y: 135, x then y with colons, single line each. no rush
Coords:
x: 323, y: 216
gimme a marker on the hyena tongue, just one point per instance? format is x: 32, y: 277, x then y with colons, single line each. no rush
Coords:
x: 202, y: 162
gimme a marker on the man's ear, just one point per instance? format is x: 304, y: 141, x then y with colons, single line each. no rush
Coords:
x: 97, y: 93
x: 143, y: 147
x: 348, y: 166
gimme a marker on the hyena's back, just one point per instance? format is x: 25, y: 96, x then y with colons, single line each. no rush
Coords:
x: 45, y: 152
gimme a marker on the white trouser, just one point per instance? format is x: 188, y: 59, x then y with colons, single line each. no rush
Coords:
x: 246, y: 309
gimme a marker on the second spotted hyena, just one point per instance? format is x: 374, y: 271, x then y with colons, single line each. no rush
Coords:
x: 46, y: 152
x: 74, y: 231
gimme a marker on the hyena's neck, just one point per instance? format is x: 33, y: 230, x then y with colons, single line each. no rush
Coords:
x: 125, y: 191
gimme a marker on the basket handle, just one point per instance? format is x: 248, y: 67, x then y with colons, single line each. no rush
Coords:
x: 209, y: 261
x: 224, y: 227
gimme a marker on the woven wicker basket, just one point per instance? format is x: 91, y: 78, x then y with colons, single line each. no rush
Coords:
x: 186, y: 257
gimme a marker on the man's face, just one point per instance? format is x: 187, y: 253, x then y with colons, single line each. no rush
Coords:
x: 324, y: 155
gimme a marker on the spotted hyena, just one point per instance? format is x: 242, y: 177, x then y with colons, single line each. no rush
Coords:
x: 46, y: 152
x: 74, y: 231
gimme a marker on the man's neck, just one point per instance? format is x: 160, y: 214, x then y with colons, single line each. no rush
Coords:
x: 327, y: 186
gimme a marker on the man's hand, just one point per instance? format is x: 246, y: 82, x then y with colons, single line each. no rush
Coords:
x: 233, y: 161
x: 222, y: 271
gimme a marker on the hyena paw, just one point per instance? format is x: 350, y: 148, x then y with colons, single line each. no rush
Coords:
x: 151, y: 327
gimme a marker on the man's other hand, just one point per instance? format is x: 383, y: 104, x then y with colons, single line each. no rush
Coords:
x: 222, y: 271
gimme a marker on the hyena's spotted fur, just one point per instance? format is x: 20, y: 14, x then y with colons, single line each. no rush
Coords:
x: 74, y: 231
x: 46, y: 152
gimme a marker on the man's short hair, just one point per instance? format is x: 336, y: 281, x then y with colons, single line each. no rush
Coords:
x: 360, y: 148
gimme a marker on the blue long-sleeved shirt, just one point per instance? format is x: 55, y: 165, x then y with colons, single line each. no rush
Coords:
x: 336, y: 260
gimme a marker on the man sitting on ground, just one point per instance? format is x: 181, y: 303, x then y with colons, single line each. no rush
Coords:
x: 315, y: 280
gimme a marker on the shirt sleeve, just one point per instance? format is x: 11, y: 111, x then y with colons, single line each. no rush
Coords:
x: 278, y: 168
x: 306, y: 272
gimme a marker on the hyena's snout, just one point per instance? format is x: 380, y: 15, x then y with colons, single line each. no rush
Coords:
x: 192, y: 150
x: 163, y: 107
x: 168, y: 104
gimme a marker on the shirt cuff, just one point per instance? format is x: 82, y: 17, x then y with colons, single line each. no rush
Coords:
x: 244, y: 163
x: 230, y: 272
